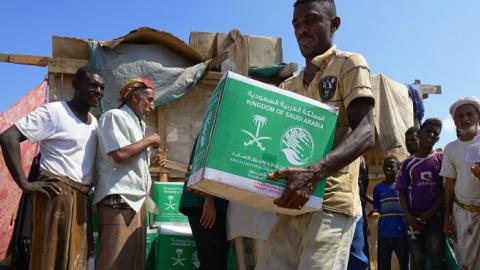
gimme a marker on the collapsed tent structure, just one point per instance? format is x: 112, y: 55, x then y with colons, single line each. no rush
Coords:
x: 186, y: 75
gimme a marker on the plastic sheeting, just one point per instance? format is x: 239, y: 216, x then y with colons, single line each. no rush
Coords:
x: 171, y: 73
x: 393, y: 113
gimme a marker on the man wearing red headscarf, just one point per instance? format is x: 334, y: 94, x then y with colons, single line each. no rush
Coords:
x: 121, y: 192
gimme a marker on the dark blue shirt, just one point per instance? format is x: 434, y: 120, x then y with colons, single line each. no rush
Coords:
x: 386, y: 202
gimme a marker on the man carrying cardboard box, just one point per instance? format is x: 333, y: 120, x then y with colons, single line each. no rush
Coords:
x: 321, y: 240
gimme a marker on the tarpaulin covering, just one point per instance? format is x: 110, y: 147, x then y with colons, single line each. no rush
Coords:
x: 171, y: 73
x: 393, y: 113
x: 10, y: 193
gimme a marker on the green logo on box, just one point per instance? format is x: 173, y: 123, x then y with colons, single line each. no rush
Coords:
x: 297, y: 145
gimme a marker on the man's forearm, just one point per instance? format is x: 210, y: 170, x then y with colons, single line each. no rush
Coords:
x: 436, y: 206
x: 402, y: 197
x: 129, y: 151
x: 10, y: 142
x: 448, y: 197
x: 358, y: 142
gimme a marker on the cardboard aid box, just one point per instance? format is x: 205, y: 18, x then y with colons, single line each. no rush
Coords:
x: 175, y: 248
x: 251, y: 129
x: 167, y: 198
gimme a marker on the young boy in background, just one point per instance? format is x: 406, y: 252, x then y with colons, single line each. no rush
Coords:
x: 392, y: 230
x: 411, y: 140
x: 420, y: 190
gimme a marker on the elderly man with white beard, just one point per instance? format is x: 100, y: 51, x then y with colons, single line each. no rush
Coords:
x: 462, y: 188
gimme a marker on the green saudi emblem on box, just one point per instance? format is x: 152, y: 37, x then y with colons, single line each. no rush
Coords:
x: 167, y: 198
x: 251, y: 129
x: 175, y: 249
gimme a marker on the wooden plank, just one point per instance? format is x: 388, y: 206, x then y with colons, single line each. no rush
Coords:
x: 24, y: 59
x: 4, y: 57
x: 71, y: 48
x: 170, y: 166
x: 213, y: 75
x: 161, y: 129
x: 427, y: 89
x: 431, y: 89
x: 52, y: 87
x: 55, y: 64
x: 65, y: 65
x: 208, y: 82
x: 211, y: 78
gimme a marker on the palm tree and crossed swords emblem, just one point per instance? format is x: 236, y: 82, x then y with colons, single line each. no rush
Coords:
x: 259, y: 121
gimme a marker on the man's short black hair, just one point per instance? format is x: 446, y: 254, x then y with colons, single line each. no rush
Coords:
x: 411, y: 131
x: 83, y: 71
x: 432, y: 122
x: 393, y: 158
x: 330, y: 4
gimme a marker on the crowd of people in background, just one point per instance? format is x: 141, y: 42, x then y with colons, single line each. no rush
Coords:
x: 431, y: 199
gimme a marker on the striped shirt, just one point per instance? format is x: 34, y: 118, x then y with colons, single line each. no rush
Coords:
x: 386, y: 202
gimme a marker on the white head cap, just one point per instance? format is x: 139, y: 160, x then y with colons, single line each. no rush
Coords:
x: 475, y: 102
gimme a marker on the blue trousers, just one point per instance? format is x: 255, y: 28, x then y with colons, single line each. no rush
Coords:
x: 358, y: 259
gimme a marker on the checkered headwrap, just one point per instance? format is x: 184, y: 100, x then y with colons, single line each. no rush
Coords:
x: 135, y: 84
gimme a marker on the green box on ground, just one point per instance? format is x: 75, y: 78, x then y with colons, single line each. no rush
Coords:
x: 176, y: 250
x: 167, y: 198
x: 251, y: 129
x: 152, y: 234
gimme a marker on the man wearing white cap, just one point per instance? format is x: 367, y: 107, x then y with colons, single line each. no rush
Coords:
x: 462, y: 190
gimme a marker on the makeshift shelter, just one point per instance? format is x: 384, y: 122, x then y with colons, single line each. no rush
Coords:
x: 143, y: 52
x: 183, y: 86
